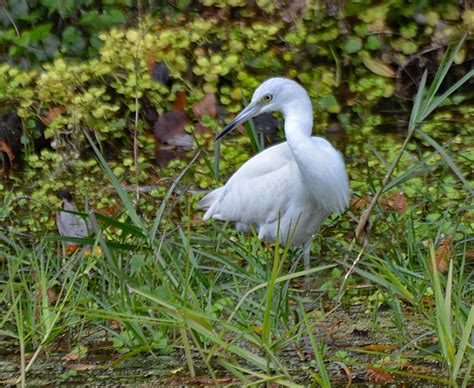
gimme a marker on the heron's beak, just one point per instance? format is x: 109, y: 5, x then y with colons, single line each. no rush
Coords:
x: 250, y: 111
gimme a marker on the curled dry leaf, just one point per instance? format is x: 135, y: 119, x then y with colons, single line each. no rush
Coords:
x: 397, y: 202
x: 180, y: 102
x: 4, y: 147
x: 360, y: 203
x: 52, y: 114
x: 444, y: 253
x: 380, y: 347
x: 379, y: 375
x: 71, y: 248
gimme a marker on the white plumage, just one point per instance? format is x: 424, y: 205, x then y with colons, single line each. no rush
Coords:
x: 297, y: 183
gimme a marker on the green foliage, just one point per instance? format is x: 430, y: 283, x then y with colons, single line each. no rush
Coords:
x: 72, y: 29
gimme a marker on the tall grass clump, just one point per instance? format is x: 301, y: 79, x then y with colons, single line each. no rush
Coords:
x: 409, y: 266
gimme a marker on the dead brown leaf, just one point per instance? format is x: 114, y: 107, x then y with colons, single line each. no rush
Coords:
x: 52, y: 114
x: 207, y: 106
x: 397, y: 202
x: 379, y: 375
x: 205, y: 380
x: 169, y: 129
x: 167, y: 154
x: 180, y: 101
x: 380, y: 347
x: 83, y: 367
x: 4, y: 147
x: 73, y: 356
x: 70, y: 249
x: 444, y: 252
x: 360, y: 203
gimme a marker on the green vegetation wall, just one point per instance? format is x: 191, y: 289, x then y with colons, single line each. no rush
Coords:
x: 72, y: 65
x: 114, y: 67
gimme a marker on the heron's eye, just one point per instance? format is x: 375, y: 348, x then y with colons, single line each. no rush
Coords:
x: 267, y: 97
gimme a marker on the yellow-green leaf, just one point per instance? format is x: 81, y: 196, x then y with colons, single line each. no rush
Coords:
x: 378, y: 67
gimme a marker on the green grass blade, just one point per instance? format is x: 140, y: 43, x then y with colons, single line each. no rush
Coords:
x: 437, y: 101
x: 129, y: 207
x: 466, y: 333
x: 443, y: 68
x: 417, y: 104
x: 317, y: 350
x: 252, y: 135
x: 448, y: 160
x: 164, y: 202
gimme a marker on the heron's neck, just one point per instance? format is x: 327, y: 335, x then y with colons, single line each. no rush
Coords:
x: 298, y: 122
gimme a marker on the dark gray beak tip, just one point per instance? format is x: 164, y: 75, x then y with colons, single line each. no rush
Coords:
x: 249, y: 112
x: 228, y: 128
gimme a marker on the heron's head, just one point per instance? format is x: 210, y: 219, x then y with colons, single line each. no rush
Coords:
x: 275, y: 94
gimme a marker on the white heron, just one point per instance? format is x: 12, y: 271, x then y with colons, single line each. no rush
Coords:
x: 292, y: 186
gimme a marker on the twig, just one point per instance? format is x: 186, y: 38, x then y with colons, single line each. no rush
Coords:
x: 9, y: 16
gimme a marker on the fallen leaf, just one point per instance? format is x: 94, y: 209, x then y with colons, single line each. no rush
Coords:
x: 166, y: 154
x: 380, y: 347
x: 397, y: 202
x: 379, y: 375
x: 360, y: 203
x: 207, y: 106
x: 4, y: 147
x: 378, y: 67
x: 83, y: 367
x: 180, y: 101
x: 71, y: 248
x: 53, y: 113
x: 444, y: 252
x: 115, y: 325
x: 169, y: 129
x: 205, y: 380
x: 73, y: 356
x: 428, y: 300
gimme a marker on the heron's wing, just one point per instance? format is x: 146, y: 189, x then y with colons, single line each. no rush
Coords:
x: 325, y: 175
x: 261, y: 189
